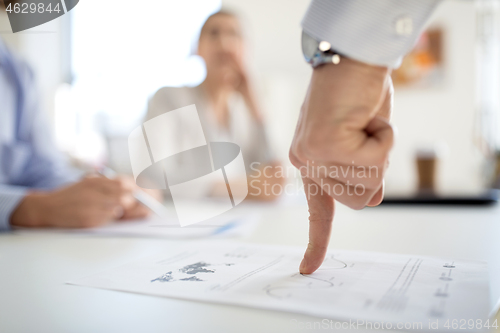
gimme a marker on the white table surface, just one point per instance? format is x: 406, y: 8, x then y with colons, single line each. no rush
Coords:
x: 34, y: 267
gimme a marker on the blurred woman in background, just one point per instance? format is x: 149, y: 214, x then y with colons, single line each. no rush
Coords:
x: 226, y: 104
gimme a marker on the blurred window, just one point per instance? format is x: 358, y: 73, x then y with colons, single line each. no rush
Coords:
x: 122, y: 51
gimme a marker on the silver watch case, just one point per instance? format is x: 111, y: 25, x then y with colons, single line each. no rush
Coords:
x: 318, y: 53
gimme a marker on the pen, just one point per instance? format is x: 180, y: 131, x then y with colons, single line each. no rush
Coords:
x: 144, y: 198
x: 225, y: 227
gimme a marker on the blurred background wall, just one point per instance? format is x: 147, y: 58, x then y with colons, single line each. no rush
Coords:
x: 97, y: 70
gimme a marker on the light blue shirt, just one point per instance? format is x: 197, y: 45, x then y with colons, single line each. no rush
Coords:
x: 377, y: 32
x: 28, y: 156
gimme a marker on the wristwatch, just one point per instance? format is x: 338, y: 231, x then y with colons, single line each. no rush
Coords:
x: 318, y: 53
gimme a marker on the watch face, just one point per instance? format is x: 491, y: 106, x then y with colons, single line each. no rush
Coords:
x: 309, y: 46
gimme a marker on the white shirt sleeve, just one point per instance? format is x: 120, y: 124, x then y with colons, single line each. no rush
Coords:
x: 378, y: 32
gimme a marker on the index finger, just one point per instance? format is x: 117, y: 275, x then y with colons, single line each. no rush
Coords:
x: 321, y: 211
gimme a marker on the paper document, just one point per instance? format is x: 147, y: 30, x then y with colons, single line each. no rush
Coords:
x: 237, y: 222
x: 228, y: 225
x: 361, y: 286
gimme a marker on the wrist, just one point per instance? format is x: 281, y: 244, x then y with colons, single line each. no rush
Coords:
x: 357, y: 66
x: 347, y: 95
x: 321, y: 54
x: 31, y: 211
x: 349, y: 78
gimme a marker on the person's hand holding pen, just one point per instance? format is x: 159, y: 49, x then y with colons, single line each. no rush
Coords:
x: 92, y: 202
x: 342, y: 130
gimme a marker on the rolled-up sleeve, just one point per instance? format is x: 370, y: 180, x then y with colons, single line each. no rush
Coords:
x: 10, y: 197
x: 378, y: 32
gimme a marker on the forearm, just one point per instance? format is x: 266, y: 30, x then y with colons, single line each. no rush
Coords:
x: 10, y: 198
x: 374, y: 32
x: 31, y: 211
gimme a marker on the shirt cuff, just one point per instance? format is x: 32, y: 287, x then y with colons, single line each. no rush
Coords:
x: 375, y: 32
x: 9, y: 200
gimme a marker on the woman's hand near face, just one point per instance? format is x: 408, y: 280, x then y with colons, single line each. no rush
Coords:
x: 240, y: 80
x: 241, y: 84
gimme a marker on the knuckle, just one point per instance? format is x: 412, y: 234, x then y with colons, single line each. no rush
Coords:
x: 359, y: 202
x: 375, y: 183
x: 379, y: 160
x: 122, y: 185
x: 357, y: 205
x: 319, y: 217
x: 390, y: 141
x: 294, y: 159
x: 315, y: 247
